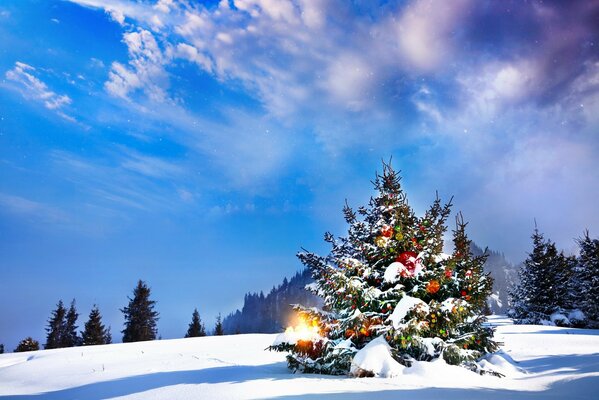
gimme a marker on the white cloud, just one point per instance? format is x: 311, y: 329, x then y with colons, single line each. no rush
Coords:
x: 33, y: 88
x: 164, y: 6
x: 116, y: 15
x: 145, y: 70
x: 192, y: 54
x: 349, y: 79
x: 424, y: 31
x: 153, y: 167
x: 275, y: 9
x: 29, y: 208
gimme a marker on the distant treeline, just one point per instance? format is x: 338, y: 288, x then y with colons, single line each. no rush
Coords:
x: 140, y: 324
x: 273, y: 312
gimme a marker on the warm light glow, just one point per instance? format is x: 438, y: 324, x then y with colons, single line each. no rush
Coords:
x: 304, y: 329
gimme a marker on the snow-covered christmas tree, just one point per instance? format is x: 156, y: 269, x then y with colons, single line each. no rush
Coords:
x: 390, y: 293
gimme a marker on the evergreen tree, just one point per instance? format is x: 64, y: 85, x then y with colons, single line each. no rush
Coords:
x: 140, y: 316
x: 196, y: 328
x: 388, y: 279
x: 1, y: 348
x: 588, y: 279
x: 56, y: 327
x: 218, y: 327
x: 108, y: 337
x: 70, y: 337
x: 544, y: 287
x: 27, y: 344
x: 95, y: 332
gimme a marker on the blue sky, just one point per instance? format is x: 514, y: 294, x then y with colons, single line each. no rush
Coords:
x: 199, y: 145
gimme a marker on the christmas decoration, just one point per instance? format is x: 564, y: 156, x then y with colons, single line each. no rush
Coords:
x: 387, y: 231
x: 433, y: 286
x: 388, y: 282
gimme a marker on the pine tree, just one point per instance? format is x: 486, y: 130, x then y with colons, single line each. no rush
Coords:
x: 140, y: 316
x: 70, y: 337
x: 56, y: 327
x: 27, y: 344
x: 196, y: 328
x: 544, y: 284
x: 588, y: 279
x: 218, y: 327
x: 1, y: 348
x: 388, y: 278
x: 95, y: 332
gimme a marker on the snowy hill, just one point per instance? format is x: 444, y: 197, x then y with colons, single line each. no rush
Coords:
x: 550, y: 362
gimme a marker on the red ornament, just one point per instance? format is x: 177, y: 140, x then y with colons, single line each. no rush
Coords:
x: 464, y: 293
x: 433, y: 286
x: 409, y: 260
x: 448, y: 272
x: 387, y: 231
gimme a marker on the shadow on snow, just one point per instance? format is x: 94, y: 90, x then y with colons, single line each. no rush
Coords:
x: 575, y: 388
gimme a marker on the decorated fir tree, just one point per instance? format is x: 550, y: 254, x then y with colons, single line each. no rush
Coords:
x: 388, y: 282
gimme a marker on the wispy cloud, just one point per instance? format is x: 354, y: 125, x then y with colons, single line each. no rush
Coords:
x: 23, y: 207
x: 125, y: 178
x: 145, y: 70
x: 31, y: 87
x: 464, y: 89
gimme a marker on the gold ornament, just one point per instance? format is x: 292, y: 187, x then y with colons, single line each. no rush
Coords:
x: 380, y: 241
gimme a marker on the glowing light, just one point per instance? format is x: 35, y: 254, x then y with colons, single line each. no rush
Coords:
x: 304, y: 330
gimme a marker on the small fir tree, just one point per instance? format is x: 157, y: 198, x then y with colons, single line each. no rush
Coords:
x: 95, y: 332
x: 140, y: 316
x: 1, y: 349
x: 218, y: 327
x: 588, y: 279
x: 70, y: 338
x: 389, y: 279
x: 196, y: 328
x: 56, y: 327
x: 27, y: 344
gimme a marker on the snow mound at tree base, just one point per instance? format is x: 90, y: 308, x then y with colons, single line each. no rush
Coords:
x: 501, y: 363
x: 375, y: 360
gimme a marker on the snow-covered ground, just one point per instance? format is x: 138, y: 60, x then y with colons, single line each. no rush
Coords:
x: 551, y: 363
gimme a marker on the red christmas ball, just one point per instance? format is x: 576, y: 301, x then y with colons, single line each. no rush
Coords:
x: 387, y: 231
x: 407, y: 257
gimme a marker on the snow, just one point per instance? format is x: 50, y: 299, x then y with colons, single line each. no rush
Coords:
x: 548, y: 363
x: 559, y: 318
x: 403, y: 307
x: 376, y: 359
x: 576, y: 315
x: 392, y: 271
